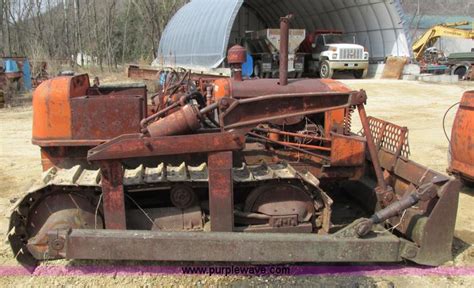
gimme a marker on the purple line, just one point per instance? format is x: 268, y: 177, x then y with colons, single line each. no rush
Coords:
x: 384, y: 271
x: 294, y: 271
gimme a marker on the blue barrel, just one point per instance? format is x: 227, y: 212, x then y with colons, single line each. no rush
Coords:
x: 10, y: 66
x: 27, y: 75
x: 247, y: 67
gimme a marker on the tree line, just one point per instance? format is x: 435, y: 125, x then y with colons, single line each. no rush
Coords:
x: 439, y: 7
x: 104, y: 32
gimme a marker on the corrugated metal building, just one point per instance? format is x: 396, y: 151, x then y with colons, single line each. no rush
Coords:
x: 200, y: 33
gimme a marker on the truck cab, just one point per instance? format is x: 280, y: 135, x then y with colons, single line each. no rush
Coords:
x: 331, y: 51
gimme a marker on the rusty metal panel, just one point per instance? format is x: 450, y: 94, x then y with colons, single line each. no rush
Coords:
x: 436, y: 233
x: 123, y: 90
x: 389, y: 136
x: 127, y: 89
x: 52, y: 108
x: 408, y: 170
x: 221, y: 194
x: 136, y: 72
x: 436, y: 242
x: 113, y: 194
x: 248, y: 112
x: 347, y: 151
x: 166, y: 219
x: 153, y: 73
x: 132, y: 146
x: 262, y: 87
x: 106, y: 117
x: 63, y: 157
x: 229, y: 247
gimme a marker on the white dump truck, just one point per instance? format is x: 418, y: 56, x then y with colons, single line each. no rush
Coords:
x: 331, y: 51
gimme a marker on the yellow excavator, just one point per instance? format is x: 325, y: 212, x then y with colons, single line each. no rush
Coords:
x: 431, y: 36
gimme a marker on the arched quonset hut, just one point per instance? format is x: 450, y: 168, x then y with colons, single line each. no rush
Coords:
x: 201, y: 31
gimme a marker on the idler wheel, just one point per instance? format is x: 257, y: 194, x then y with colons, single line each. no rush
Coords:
x: 59, y: 211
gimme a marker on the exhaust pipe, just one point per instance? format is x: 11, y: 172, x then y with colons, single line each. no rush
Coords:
x: 284, y: 43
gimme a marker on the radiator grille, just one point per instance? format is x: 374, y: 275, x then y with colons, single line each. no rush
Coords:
x: 352, y: 54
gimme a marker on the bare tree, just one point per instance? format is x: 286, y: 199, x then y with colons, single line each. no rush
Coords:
x: 127, y: 20
x: 2, y: 44
x: 78, y: 25
x: 109, y: 32
x: 157, y: 13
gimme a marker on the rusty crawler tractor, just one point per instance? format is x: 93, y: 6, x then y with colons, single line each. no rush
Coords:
x: 227, y: 170
x: 462, y: 141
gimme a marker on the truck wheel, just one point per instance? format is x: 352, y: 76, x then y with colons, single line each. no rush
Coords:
x: 461, y: 70
x: 360, y: 74
x: 325, y: 70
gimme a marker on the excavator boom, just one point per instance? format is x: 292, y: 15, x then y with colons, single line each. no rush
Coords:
x: 441, y: 30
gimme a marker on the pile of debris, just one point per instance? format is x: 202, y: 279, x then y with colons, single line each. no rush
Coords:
x: 16, y: 78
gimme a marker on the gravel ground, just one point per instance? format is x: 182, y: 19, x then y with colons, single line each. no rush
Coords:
x: 418, y: 106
